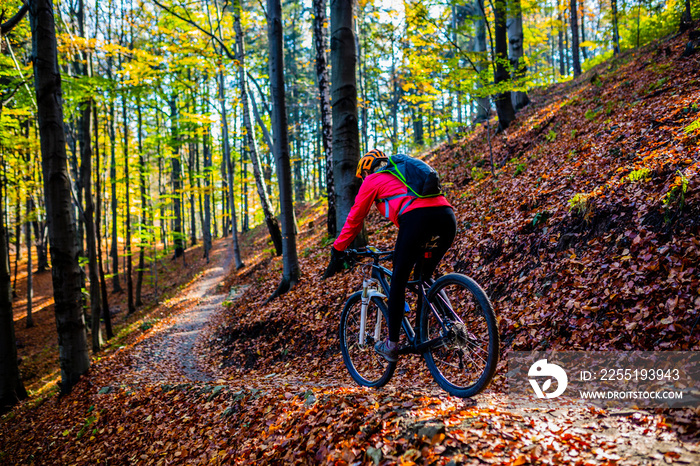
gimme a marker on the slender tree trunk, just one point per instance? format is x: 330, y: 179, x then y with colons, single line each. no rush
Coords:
x: 66, y: 273
x: 245, y: 226
x: 504, y: 104
x: 84, y: 181
x: 574, y: 38
x: 582, y: 10
x: 567, y: 48
x: 206, y: 153
x: 98, y: 219
x: 483, y: 105
x: 325, y: 104
x: 515, y: 50
x: 394, y: 102
x: 18, y: 234
x: 90, y: 232
x: 346, y: 138
x: 229, y: 170
x: 145, y: 208
x: 176, y: 180
x: 42, y: 261
x: 114, y: 251
x: 290, y: 261
x: 11, y: 388
x: 251, y: 143
x: 191, y: 176
x: 28, y: 232
x: 30, y: 287
x: 616, y: 31
x: 225, y: 212
x: 562, y: 54
x: 191, y: 154
x: 127, y: 214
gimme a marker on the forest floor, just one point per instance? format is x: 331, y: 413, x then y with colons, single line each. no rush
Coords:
x: 586, y: 240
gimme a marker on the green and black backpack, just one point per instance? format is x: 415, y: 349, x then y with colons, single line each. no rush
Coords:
x: 421, y: 180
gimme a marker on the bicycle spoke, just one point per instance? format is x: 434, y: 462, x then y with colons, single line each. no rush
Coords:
x: 364, y: 364
x: 464, y: 361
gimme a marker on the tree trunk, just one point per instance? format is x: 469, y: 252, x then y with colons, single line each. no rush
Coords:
x: 515, y: 50
x: 178, y: 239
x: 127, y: 215
x: 562, y: 55
x: 42, y: 261
x: 206, y: 153
x: 191, y: 155
x: 483, y: 105
x: 28, y: 232
x: 417, y: 120
x: 145, y: 208
x: 114, y: 251
x: 290, y: 261
x: 504, y: 104
x: 584, y: 50
x: 346, y: 137
x: 11, y: 388
x: 686, y: 20
x: 30, y: 287
x: 325, y: 104
x: 65, y: 269
x: 616, y: 31
x: 98, y: 219
x: 18, y: 233
x: 574, y: 38
x: 228, y: 166
x: 86, y: 175
x: 252, y: 147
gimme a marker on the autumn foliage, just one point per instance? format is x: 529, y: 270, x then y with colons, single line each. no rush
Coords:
x: 587, y: 239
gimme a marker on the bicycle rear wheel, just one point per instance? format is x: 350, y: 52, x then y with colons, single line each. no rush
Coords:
x: 366, y: 367
x: 460, y: 318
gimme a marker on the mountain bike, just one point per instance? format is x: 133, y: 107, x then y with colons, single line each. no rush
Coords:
x: 457, y: 332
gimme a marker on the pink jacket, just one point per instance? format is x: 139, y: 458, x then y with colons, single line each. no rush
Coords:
x: 386, y: 187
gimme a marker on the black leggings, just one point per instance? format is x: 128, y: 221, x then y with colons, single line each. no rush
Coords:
x: 436, y: 225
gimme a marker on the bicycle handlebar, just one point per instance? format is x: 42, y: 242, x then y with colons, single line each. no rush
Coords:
x: 370, y: 251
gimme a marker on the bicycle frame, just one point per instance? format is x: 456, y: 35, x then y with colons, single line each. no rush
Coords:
x: 379, y: 277
x: 461, y: 357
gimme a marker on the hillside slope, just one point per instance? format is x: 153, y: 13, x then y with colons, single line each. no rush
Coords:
x: 587, y: 238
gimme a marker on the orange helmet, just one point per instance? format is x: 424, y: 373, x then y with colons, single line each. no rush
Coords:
x: 367, y: 162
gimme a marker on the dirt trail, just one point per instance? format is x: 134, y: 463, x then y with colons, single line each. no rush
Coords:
x: 168, y: 353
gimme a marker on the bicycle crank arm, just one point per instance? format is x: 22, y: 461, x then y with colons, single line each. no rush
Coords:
x: 422, y: 348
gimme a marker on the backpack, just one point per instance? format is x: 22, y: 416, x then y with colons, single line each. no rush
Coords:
x: 421, y: 179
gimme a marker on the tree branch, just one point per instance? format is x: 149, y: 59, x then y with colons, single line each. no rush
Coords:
x: 262, y: 95
x: 7, y: 26
x: 192, y: 23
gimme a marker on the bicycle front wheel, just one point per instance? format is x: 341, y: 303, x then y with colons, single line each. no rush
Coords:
x: 460, y: 321
x: 366, y: 367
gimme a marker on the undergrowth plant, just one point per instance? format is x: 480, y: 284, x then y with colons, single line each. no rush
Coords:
x: 694, y: 126
x: 675, y: 197
x: 641, y: 174
x: 478, y: 174
x: 580, y: 205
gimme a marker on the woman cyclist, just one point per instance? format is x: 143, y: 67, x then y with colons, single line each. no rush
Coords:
x: 420, y: 221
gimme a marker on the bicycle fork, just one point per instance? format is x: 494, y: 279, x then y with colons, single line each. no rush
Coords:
x: 369, y: 291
